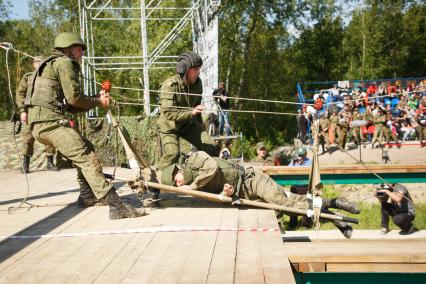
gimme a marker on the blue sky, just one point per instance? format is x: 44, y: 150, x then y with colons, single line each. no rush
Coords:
x: 19, y: 9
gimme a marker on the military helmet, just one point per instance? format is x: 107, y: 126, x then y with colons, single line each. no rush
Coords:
x: 187, y: 60
x: 302, y: 151
x: 64, y: 40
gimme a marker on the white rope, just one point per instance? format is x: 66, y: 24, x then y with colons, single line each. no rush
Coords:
x: 143, y: 230
x: 228, y: 110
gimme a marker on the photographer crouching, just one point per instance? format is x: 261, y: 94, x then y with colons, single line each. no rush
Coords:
x: 400, y: 207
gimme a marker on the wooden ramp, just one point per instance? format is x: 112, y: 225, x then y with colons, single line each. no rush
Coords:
x: 186, y: 241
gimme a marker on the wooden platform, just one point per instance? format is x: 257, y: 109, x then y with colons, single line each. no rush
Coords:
x: 396, y: 256
x: 187, y: 241
x: 350, y: 174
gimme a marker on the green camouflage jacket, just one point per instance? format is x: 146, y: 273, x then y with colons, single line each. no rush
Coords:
x: 173, y: 93
x: 209, y: 174
x: 21, y: 92
x: 268, y: 161
x: 61, y: 69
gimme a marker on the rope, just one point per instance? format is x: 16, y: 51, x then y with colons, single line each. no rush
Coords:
x: 144, y: 230
x: 228, y: 110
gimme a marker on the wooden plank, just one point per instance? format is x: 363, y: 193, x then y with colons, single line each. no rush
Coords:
x: 119, y: 266
x: 377, y: 267
x: 275, y: 263
x: 39, y: 258
x: 180, y: 250
x: 156, y: 250
x: 248, y: 268
x: 382, y: 251
x: 223, y: 260
x: 197, y: 263
x: 311, y: 267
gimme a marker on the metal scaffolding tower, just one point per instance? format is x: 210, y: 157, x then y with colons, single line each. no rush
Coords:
x: 200, y: 14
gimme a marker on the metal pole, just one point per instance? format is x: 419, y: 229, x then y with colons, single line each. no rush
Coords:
x: 144, y: 42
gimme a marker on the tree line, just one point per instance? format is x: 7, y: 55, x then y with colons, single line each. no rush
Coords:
x: 265, y: 48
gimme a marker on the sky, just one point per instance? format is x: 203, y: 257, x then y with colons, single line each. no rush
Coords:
x: 19, y: 9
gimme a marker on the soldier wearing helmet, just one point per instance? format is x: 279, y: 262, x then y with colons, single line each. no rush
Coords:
x: 54, y: 91
x: 27, y: 149
x: 181, y: 109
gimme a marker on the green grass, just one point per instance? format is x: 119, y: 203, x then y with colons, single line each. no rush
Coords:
x: 369, y: 218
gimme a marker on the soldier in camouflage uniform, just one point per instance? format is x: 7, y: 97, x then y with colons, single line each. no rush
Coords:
x: 199, y: 171
x: 334, y: 119
x: 262, y: 156
x: 343, y: 126
x: 379, y: 121
x: 55, y: 90
x: 387, y: 131
x: 356, y: 130
x: 27, y: 138
x: 181, y: 111
x: 324, y: 125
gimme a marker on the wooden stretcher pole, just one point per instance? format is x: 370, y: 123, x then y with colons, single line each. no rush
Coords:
x: 225, y: 199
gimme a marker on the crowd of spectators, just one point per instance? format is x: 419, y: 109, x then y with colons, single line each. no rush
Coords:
x: 373, y: 114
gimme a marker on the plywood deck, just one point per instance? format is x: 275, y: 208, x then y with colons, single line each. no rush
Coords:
x: 167, y: 256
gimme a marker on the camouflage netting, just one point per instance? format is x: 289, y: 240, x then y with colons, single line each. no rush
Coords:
x: 142, y: 132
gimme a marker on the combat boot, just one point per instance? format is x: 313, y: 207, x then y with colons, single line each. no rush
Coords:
x: 25, y: 164
x: 87, y: 198
x: 120, y: 210
x: 344, y: 228
x: 50, y: 165
x: 341, y: 203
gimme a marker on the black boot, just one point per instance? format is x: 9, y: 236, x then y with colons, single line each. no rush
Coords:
x: 50, y: 165
x: 341, y: 203
x: 344, y: 228
x: 87, y: 198
x: 120, y: 210
x: 25, y: 164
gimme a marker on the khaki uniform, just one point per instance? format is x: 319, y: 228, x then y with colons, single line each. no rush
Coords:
x: 175, y: 121
x: 334, y: 119
x: 343, y: 127
x: 421, y: 127
x: 379, y: 123
x: 324, y: 125
x: 356, y: 130
x: 27, y: 138
x: 210, y: 174
x: 388, y: 134
x: 56, y: 90
x: 267, y: 161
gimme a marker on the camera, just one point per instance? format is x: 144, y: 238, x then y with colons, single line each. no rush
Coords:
x: 383, y: 194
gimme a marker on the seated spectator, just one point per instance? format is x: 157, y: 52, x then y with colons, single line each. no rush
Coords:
x: 225, y: 152
x: 301, y: 159
x: 262, y: 155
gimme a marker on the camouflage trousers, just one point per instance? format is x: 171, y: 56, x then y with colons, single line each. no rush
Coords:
x: 257, y: 185
x: 28, y: 140
x: 80, y: 151
x: 421, y: 132
x: 378, y: 133
x: 195, y: 135
x: 343, y: 133
x: 388, y: 134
